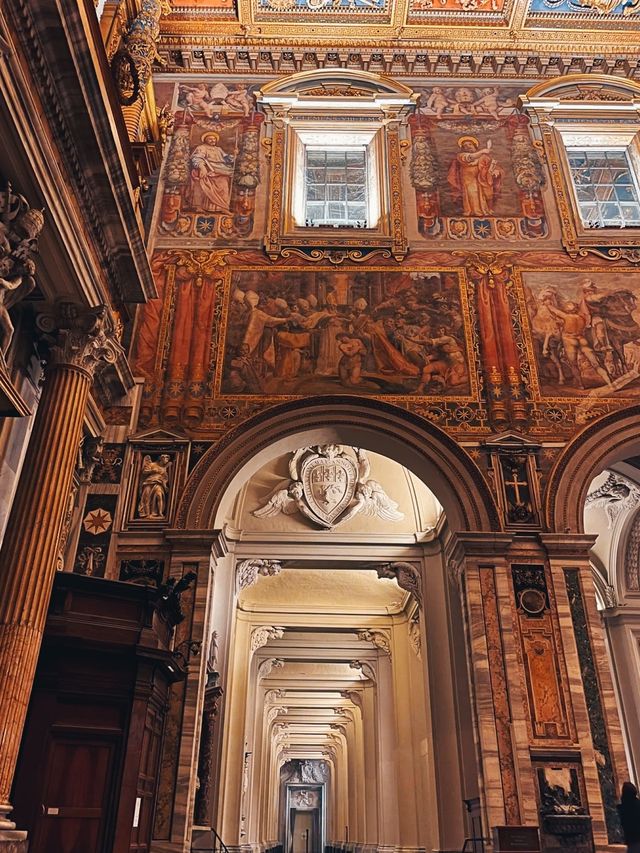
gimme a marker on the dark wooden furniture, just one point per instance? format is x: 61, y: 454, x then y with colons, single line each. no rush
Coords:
x: 89, y: 758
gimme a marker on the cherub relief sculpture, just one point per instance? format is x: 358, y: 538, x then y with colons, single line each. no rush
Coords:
x: 154, y: 487
x: 329, y: 485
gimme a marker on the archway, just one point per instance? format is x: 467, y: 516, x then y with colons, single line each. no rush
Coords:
x: 611, y: 439
x: 344, y: 646
x: 415, y: 443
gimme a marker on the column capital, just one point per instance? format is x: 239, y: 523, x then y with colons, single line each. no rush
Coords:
x: 479, y: 544
x: 79, y: 336
x: 572, y: 546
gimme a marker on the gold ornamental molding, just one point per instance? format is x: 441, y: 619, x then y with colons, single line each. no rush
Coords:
x: 496, y: 57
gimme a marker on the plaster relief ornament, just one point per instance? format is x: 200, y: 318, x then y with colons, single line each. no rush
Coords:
x: 154, y: 486
x: 365, y: 668
x: 616, y: 495
x: 248, y: 571
x: 406, y: 576
x: 20, y: 226
x: 267, y: 666
x: 260, y: 636
x: 380, y: 639
x: 330, y: 484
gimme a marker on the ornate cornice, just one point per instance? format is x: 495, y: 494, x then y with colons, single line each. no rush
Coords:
x: 96, y: 170
x: 488, y: 53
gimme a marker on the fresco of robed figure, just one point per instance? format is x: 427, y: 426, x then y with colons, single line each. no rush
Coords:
x: 311, y: 332
x: 475, y: 171
x: 586, y: 332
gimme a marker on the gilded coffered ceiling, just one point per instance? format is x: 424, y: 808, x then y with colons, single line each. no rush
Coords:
x: 506, y: 38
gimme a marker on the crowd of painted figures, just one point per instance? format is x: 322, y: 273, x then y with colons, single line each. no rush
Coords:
x: 409, y: 343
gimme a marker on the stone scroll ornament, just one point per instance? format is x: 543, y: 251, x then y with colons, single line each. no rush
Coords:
x: 20, y: 227
x: 616, y: 495
x: 330, y: 484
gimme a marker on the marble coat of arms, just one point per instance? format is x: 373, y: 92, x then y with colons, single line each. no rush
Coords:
x: 330, y: 484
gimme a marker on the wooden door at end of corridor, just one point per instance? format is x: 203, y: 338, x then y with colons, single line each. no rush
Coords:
x: 304, y: 834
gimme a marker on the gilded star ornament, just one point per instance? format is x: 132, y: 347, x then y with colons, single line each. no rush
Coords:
x: 97, y: 521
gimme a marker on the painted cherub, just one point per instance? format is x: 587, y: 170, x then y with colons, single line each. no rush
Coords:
x: 488, y: 102
x: 437, y: 101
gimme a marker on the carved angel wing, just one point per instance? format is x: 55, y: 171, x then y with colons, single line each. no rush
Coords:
x: 364, y: 467
x: 293, y: 462
x: 281, y: 501
x: 380, y: 504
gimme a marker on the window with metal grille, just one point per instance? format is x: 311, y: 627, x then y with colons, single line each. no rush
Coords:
x: 335, y: 187
x: 606, y: 187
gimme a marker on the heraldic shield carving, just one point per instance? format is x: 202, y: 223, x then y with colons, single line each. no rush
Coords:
x: 330, y: 484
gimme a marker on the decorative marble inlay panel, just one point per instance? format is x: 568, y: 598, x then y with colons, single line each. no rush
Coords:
x: 540, y: 658
x: 563, y: 806
x: 95, y: 535
x: 599, y: 734
x: 500, y: 694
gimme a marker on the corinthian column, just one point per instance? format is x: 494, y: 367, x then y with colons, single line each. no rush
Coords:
x: 80, y: 339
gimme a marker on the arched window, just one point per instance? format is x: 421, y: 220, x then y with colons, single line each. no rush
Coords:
x: 336, y: 140
x: 590, y: 126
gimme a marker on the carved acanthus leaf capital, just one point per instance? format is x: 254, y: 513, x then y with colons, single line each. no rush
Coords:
x: 260, y: 636
x: 415, y: 639
x: 267, y: 666
x: 80, y: 337
x: 380, y: 639
x: 406, y: 576
x: 365, y: 668
x: 248, y: 571
x: 455, y: 569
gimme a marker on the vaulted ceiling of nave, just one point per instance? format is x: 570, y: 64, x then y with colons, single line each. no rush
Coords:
x: 524, y: 38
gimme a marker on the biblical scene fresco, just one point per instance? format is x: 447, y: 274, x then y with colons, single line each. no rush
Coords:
x: 298, y: 332
x: 212, y: 169
x: 585, y: 330
x: 474, y: 169
x: 594, y: 9
x: 357, y: 11
x: 424, y: 11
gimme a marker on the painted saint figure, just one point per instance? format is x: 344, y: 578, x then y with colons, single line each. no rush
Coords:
x: 209, y: 187
x: 476, y: 177
x: 154, y: 486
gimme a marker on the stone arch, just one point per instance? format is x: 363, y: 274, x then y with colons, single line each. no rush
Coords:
x: 380, y: 427
x: 611, y: 439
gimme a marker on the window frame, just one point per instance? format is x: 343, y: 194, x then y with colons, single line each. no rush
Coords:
x: 604, y: 149
x: 587, y: 112
x: 365, y: 107
x: 369, y: 215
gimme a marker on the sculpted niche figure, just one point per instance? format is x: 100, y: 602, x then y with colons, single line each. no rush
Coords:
x: 20, y: 226
x: 154, y: 487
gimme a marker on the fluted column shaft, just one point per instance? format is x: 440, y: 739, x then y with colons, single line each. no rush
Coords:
x: 29, y: 551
